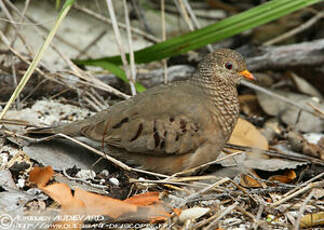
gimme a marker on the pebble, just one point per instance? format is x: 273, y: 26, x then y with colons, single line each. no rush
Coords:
x: 114, y: 181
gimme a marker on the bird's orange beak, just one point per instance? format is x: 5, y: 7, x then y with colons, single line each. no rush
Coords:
x: 247, y: 75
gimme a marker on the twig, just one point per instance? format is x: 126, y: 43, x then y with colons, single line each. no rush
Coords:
x: 302, y: 209
x: 195, y: 20
x: 296, y: 30
x: 166, y: 182
x: 141, y: 16
x: 119, y: 42
x: 27, y: 2
x: 93, y: 42
x: 273, y: 153
x: 132, y: 74
x: 34, y: 23
x: 197, y: 194
x: 228, y: 210
x: 250, y: 215
x: 316, y: 109
x: 89, y: 98
x: 12, y: 22
x: 181, y: 8
x: 101, y: 101
x: 83, y: 181
x: 297, y: 193
x: 258, y: 216
x: 287, y: 56
x: 109, y: 158
x: 147, y: 36
x: 14, y: 75
x: 304, y: 184
x: 164, y: 62
x: 90, y: 79
x: 277, y: 96
x: 22, y: 58
x: 36, y: 59
x: 192, y: 170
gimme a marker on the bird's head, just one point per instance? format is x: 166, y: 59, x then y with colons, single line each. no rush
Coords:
x: 224, y: 66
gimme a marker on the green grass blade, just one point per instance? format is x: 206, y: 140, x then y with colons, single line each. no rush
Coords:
x: 63, y: 12
x: 119, y: 73
x: 224, y: 29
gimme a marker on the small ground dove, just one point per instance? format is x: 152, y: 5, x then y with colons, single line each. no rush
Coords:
x: 172, y: 127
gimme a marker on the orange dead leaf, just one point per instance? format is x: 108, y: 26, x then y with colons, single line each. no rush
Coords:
x: 62, y: 194
x: 143, y: 206
x: 288, y: 177
x: 249, y: 182
x: 103, y: 205
x: 177, y: 211
x: 143, y: 199
x: 41, y: 176
x: 158, y: 219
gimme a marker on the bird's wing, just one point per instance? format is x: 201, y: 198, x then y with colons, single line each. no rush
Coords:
x: 163, y: 122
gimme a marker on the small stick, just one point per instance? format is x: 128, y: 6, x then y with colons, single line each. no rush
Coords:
x: 304, y: 184
x: 300, y: 191
x: 164, y: 61
x: 296, y: 30
x: 302, y: 209
x: 111, y: 10
x: 99, y: 17
x: 166, y: 182
x: 277, y: 96
x: 191, y: 170
x: 132, y: 74
x: 13, y: 23
x: 141, y: 16
x: 83, y: 180
x: 228, y: 210
x: 181, y: 8
x: 258, y: 216
x: 93, y: 42
x: 195, y: 21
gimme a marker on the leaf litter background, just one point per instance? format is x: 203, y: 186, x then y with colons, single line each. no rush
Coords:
x: 273, y: 181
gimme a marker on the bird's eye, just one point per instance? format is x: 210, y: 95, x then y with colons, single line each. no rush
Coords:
x: 229, y: 65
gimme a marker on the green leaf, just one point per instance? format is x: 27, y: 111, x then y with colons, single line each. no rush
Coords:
x: 224, y: 29
x: 118, y: 72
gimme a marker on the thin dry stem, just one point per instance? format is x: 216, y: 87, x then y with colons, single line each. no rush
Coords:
x: 119, y: 42
x: 131, y: 51
x: 147, y: 36
x: 296, y: 30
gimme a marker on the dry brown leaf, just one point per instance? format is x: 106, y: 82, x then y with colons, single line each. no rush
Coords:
x: 102, y: 205
x: 247, y: 134
x: 287, y: 177
x: 146, y: 206
x: 41, y: 176
x: 249, y: 182
x: 144, y: 199
x: 311, y: 220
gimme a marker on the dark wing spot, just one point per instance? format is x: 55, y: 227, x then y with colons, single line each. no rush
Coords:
x: 171, y: 119
x: 196, y: 128
x: 156, y: 136
x: 119, y: 124
x: 183, y: 124
x: 138, y: 133
x: 177, y: 137
x: 162, y: 145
